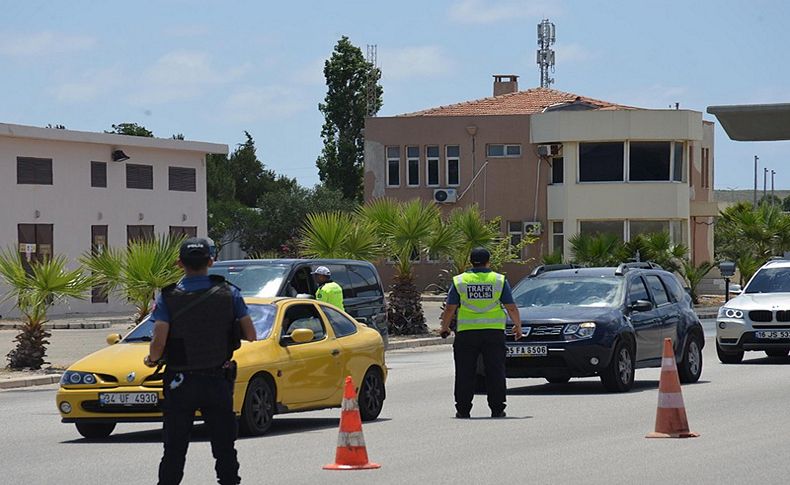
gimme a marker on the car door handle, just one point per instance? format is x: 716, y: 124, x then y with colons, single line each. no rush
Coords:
x: 335, y: 353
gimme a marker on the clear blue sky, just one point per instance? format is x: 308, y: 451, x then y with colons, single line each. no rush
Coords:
x: 211, y: 70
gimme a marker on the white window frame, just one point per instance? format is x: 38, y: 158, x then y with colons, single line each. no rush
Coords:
x: 392, y: 159
x: 408, y: 166
x: 552, y: 246
x: 428, y: 161
x: 505, y: 146
x: 447, y: 160
x: 519, y: 233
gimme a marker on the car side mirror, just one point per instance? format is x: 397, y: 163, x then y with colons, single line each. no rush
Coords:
x: 113, y: 338
x: 736, y: 290
x: 302, y: 335
x: 640, y: 306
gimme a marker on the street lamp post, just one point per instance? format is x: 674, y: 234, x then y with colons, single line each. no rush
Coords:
x: 773, y: 173
x: 754, y: 203
x: 765, y: 182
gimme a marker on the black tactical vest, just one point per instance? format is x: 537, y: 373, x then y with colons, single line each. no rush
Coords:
x: 200, y: 337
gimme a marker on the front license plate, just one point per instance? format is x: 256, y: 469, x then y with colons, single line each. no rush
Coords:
x: 128, y: 398
x: 527, y: 351
x: 774, y: 334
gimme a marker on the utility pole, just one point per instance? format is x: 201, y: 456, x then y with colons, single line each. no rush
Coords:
x: 754, y: 202
x: 765, y: 182
x: 773, y: 172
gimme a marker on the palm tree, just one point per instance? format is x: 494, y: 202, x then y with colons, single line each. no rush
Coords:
x: 47, y: 283
x: 339, y: 235
x: 694, y: 275
x: 471, y: 231
x: 137, y: 272
x: 597, y: 250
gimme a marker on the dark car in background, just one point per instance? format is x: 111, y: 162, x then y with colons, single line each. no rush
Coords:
x: 363, y: 293
x: 606, y: 322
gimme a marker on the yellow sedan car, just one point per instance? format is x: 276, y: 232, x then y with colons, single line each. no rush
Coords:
x: 304, y: 351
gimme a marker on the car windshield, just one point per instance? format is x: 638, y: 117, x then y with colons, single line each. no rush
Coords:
x: 261, y: 280
x: 770, y: 280
x: 589, y: 292
x: 262, y: 318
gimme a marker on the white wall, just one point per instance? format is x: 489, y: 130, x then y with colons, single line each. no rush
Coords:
x: 72, y: 205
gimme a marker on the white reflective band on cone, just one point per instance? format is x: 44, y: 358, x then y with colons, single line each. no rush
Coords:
x: 672, y: 400
x: 668, y: 363
x: 349, y: 405
x: 350, y: 439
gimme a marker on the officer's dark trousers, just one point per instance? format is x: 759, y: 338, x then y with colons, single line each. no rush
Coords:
x: 468, y: 345
x: 213, y: 395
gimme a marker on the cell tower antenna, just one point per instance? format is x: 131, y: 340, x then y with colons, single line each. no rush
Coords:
x: 373, y: 78
x: 546, y: 39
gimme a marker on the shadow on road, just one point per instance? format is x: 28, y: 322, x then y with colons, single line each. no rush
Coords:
x: 578, y: 388
x: 280, y: 426
x: 763, y: 361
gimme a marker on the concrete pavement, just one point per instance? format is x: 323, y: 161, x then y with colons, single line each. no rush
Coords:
x: 573, y: 433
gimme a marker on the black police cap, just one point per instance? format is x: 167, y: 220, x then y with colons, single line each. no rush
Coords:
x: 480, y: 256
x: 195, y: 248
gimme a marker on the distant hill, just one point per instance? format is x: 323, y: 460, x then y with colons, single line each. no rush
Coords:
x: 732, y: 196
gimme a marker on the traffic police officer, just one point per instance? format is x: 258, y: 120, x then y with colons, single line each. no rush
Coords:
x: 328, y: 291
x: 479, y: 295
x: 196, y: 331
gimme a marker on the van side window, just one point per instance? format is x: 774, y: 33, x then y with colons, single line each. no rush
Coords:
x: 658, y: 290
x: 364, y: 281
x: 340, y: 276
x: 675, y: 290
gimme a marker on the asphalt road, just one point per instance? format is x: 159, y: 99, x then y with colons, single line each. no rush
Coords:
x: 574, y: 433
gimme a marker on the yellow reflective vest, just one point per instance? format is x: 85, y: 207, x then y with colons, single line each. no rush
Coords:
x: 331, y: 293
x: 480, y: 294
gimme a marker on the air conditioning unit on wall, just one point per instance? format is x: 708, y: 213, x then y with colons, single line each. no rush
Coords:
x: 445, y: 196
x: 549, y: 150
x: 533, y: 228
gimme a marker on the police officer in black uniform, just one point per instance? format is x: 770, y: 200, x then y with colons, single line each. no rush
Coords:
x: 199, y: 322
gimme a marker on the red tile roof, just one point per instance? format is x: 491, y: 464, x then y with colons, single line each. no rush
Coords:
x: 527, y: 102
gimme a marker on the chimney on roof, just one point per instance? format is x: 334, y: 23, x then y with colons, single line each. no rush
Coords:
x: 505, y: 83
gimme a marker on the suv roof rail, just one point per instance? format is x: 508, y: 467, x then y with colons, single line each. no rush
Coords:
x: 624, y: 267
x: 545, y: 268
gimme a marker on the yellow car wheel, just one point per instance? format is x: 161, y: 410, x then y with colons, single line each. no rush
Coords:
x: 371, y: 395
x: 258, y: 409
x: 95, y: 431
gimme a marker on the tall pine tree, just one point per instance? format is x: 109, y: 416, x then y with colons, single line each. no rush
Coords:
x: 345, y: 106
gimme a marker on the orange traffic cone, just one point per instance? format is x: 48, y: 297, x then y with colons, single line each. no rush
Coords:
x: 671, y: 421
x: 351, y: 452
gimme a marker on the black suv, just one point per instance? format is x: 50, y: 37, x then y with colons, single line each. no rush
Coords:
x: 363, y: 294
x: 582, y: 322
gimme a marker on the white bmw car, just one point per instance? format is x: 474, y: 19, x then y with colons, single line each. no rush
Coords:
x: 759, y: 318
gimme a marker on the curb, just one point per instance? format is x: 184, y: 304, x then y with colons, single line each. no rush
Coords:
x: 60, y: 326
x: 29, y: 381
x: 419, y: 342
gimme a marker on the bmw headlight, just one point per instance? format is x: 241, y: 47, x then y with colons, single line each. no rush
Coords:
x: 580, y: 330
x: 733, y: 313
x: 76, y: 378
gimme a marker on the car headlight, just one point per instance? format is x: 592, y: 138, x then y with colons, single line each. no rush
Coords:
x: 580, y: 330
x: 76, y: 378
x: 725, y: 312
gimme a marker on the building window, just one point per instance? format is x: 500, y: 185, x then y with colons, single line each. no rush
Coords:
x: 393, y: 166
x: 453, y: 160
x: 515, y: 230
x: 98, y: 174
x: 601, y: 162
x: 499, y: 151
x: 35, y: 243
x: 596, y: 228
x: 98, y: 246
x: 139, y: 176
x: 637, y: 227
x: 432, y: 165
x: 557, y: 237
x: 649, y: 161
x: 705, y: 182
x: 557, y: 170
x: 34, y: 171
x: 139, y: 233
x: 676, y: 232
x: 182, y: 179
x: 679, y: 148
x: 413, y: 166
x: 183, y: 231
